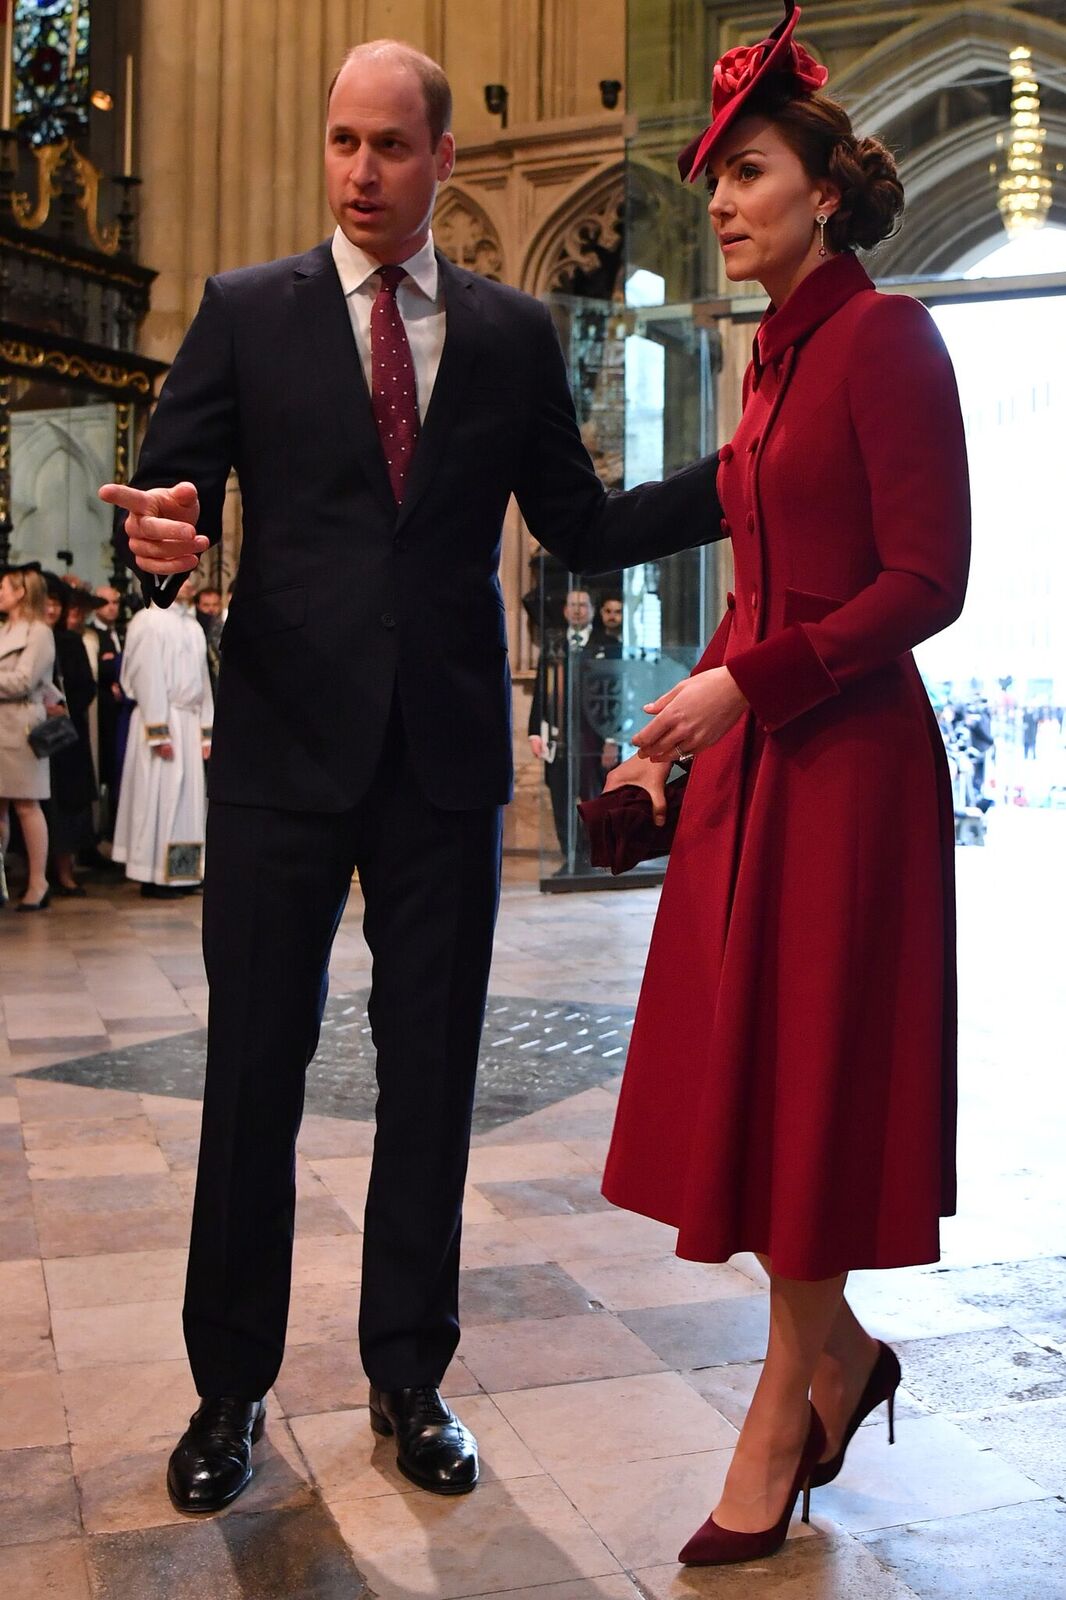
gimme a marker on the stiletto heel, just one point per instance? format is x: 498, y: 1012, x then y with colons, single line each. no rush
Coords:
x: 712, y: 1546
x: 881, y: 1385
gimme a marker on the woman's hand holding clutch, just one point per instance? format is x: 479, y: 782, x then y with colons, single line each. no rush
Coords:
x: 643, y: 775
x: 690, y: 717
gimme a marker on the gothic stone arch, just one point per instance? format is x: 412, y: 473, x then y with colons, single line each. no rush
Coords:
x: 579, y: 240
x: 465, y: 234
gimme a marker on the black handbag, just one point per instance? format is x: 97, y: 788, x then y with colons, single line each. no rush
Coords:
x: 52, y: 735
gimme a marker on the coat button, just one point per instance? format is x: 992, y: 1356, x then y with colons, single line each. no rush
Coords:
x: 388, y: 620
x: 751, y: 522
x: 725, y: 454
x: 726, y: 529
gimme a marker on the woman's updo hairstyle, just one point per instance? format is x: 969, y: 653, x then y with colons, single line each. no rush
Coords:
x: 819, y: 131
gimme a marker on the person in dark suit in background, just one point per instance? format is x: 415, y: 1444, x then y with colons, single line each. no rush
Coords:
x: 380, y: 405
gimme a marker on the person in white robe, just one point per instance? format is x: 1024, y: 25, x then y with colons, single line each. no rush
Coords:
x: 159, y: 830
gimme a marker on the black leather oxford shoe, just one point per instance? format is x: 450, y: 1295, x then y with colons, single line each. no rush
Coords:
x: 433, y: 1448
x: 212, y: 1462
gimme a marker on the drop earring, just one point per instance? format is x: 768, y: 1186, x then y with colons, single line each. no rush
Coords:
x: 821, y: 219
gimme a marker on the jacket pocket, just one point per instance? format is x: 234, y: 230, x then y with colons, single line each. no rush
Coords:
x: 801, y: 606
x: 271, y: 612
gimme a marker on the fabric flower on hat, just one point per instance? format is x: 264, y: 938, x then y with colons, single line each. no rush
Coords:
x: 739, y: 67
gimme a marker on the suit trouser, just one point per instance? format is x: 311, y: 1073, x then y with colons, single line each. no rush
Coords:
x: 276, y: 886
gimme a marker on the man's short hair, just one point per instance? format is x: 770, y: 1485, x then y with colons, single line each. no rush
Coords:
x: 436, y: 90
x: 208, y: 588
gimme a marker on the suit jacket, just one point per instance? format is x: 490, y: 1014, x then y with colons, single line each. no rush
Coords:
x: 328, y: 618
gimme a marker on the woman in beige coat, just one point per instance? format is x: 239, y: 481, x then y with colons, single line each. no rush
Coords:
x: 27, y: 659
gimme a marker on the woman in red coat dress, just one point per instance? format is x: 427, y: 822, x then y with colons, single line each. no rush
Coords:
x: 790, y: 1088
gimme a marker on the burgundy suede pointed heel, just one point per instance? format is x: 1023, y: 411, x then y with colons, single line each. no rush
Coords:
x: 712, y: 1546
x: 881, y: 1385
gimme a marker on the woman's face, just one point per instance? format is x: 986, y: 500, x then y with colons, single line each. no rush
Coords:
x: 763, y: 206
x: 10, y: 593
x: 52, y: 611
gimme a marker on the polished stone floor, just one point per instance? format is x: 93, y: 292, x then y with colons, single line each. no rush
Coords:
x: 604, y: 1377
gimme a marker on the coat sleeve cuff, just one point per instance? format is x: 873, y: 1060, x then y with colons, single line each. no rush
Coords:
x: 782, y: 677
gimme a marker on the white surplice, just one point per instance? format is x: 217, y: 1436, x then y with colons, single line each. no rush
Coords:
x: 159, y: 830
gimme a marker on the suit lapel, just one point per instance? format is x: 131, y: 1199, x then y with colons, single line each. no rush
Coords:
x: 338, y: 369
x: 460, y: 348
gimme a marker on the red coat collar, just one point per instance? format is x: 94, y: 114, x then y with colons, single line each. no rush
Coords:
x: 820, y: 294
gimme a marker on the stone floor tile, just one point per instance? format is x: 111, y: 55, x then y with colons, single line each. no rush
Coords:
x: 114, y: 1335
x: 50, y: 1571
x: 122, y: 1482
x: 644, y: 1281
x: 281, y: 1555
x: 500, y: 1244
x: 574, y: 1589
x: 137, y: 1401
x: 1008, y: 1553
x: 968, y: 1371
x: 330, y: 1377
x: 67, y: 1234
x: 532, y: 1353
x: 18, y: 1239
x: 105, y: 1195
x: 320, y: 1216
x: 521, y: 1163
x: 38, y: 1501
x: 606, y: 1233
x: 707, y: 1335
x: 1011, y: 1291
x: 98, y: 1161
x: 22, y: 1291
x: 31, y: 1411
x: 546, y: 1197
x: 1032, y: 1437
x: 497, y: 1294
x: 41, y: 1136
x: 913, y: 1305
x: 327, y: 1258
x: 137, y: 1275
x: 831, y: 1566
x: 423, y: 1547
x: 615, y: 1419
x: 933, y: 1470
x: 319, y: 1312
x: 323, y: 1137
x: 645, y: 1510
x: 63, y: 1102
x: 349, y: 1462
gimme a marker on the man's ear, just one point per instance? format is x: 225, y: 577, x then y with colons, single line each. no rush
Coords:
x: 445, y: 157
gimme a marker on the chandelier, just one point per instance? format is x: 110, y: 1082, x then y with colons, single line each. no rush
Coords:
x: 1024, y: 189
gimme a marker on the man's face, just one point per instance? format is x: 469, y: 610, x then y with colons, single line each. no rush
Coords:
x: 578, y: 609
x: 611, y: 616
x: 209, y: 603
x: 108, y: 613
x: 382, y: 172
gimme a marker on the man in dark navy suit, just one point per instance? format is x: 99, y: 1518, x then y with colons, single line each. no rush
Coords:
x: 380, y: 406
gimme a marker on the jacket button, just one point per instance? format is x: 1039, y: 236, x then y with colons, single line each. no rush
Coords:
x: 751, y: 522
x: 388, y: 620
x: 725, y: 526
x: 725, y: 454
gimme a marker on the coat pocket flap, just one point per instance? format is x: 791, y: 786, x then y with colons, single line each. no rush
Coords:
x: 803, y: 607
x: 270, y: 612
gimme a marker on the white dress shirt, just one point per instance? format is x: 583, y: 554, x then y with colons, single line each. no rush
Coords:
x: 419, y: 298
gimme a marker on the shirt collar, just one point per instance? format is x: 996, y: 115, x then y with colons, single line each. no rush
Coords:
x: 355, y: 267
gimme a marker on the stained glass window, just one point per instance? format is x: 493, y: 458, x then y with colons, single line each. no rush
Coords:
x: 51, y: 69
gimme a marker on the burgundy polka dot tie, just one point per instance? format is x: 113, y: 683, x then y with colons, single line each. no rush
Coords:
x: 395, y: 395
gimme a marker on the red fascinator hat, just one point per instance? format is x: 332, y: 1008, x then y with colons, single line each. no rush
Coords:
x: 740, y: 73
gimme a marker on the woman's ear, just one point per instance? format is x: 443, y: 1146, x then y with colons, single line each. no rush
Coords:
x: 828, y: 197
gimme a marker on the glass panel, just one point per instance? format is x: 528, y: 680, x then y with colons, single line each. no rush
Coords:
x: 610, y: 643
x: 62, y: 449
x: 51, y: 69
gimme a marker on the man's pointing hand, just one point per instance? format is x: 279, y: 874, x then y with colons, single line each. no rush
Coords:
x: 161, y: 525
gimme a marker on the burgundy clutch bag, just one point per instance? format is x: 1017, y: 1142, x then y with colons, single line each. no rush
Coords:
x: 621, y: 829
